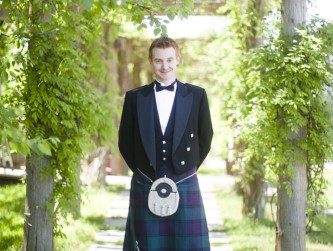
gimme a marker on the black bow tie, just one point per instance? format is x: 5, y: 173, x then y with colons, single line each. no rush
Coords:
x: 160, y: 87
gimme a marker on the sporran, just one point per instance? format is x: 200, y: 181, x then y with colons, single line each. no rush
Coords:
x: 163, y: 198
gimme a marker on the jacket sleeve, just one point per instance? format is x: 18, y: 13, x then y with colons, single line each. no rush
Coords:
x: 205, y: 128
x: 126, y: 131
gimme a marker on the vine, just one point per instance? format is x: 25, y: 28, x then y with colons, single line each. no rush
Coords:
x: 52, y: 66
x: 288, y: 89
x: 274, y: 89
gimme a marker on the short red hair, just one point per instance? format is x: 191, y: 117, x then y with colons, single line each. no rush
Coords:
x: 163, y: 43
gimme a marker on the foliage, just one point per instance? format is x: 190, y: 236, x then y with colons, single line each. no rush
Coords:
x: 9, y: 124
x: 287, y: 89
x: 243, y: 28
x: 61, y: 109
x: 280, y: 87
x: 51, y: 64
x: 244, y: 32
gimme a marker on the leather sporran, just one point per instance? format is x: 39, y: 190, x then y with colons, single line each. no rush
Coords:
x: 163, y: 198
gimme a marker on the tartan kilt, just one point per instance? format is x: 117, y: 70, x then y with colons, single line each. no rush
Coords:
x: 186, y: 230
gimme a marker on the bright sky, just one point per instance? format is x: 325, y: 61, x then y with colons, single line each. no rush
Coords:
x: 324, y: 8
x: 199, y: 26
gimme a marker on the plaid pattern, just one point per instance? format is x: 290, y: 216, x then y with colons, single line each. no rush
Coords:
x: 186, y: 230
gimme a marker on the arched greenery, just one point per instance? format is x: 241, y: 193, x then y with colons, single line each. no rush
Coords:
x: 52, y: 64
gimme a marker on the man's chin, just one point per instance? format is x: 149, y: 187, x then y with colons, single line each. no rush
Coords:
x: 165, y: 79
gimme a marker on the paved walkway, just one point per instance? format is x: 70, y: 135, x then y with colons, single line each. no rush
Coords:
x: 111, y: 240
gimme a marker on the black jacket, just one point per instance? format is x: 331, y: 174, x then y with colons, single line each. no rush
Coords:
x: 192, y: 132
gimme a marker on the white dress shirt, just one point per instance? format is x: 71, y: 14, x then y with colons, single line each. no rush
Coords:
x: 164, y: 102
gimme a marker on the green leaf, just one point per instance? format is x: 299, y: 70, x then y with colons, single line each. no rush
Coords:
x: 87, y: 4
x: 164, y: 28
x: 44, y: 148
x: 157, y: 31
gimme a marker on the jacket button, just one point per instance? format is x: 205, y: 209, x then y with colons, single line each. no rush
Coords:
x: 164, y: 142
x: 192, y: 135
x: 182, y: 163
x: 188, y: 149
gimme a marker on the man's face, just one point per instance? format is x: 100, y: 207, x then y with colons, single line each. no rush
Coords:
x: 164, y: 63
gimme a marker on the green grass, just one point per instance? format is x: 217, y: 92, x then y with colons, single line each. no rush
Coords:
x: 12, y: 199
x: 245, y: 233
x: 321, y: 236
x: 328, y: 174
x: 249, y: 235
x: 79, y: 233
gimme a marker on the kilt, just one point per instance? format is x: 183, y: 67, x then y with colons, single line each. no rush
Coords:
x: 186, y: 230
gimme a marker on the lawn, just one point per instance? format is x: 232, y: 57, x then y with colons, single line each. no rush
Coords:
x: 79, y: 233
x: 12, y: 198
x: 249, y: 235
x: 245, y: 234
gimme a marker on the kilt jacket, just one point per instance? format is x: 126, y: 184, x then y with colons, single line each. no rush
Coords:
x: 192, y: 134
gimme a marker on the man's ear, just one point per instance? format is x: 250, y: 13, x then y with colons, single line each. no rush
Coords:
x: 178, y: 60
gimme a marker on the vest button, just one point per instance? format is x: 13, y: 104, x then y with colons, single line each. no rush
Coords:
x: 164, y: 142
x: 182, y: 163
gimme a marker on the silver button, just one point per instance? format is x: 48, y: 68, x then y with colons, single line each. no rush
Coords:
x: 164, y: 150
x: 182, y: 163
x: 164, y: 158
x: 192, y: 135
x: 164, y: 142
x: 188, y: 149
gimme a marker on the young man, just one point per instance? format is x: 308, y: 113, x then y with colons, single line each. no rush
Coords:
x: 165, y: 134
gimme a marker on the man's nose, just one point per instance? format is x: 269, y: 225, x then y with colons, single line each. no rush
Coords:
x: 164, y: 65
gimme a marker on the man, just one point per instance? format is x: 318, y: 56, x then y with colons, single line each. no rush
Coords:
x: 165, y: 134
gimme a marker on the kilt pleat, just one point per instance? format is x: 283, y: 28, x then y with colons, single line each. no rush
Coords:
x: 186, y: 230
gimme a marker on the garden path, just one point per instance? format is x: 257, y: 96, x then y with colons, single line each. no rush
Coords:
x: 112, y: 239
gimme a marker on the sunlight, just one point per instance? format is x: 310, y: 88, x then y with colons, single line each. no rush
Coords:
x: 194, y: 27
x: 322, y: 8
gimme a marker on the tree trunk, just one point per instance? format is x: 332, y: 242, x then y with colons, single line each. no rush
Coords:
x: 94, y: 167
x: 110, y: 57
x: 232, y: 150
x: 254, y: 174
x: 291, y: 214
x: 38, y: 230
x: 291, y: 211
x: 254, y: 190
x: 293, y: 15
x: 124, y: 52
x: 124, y: 47
x: 137, y: 68
x: 38, y: 227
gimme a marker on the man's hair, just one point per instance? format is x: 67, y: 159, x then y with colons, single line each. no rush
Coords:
x: 163, y: 43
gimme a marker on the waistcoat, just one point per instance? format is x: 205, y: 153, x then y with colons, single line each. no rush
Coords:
x: 164, y: 142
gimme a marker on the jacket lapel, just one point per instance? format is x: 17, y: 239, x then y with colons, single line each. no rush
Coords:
x: 145, y: 104
x: 183, y: 100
